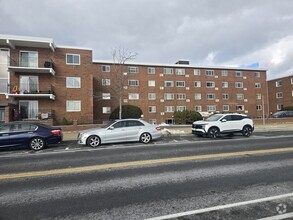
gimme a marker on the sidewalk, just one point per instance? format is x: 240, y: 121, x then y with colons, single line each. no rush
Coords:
x: 186, y: 130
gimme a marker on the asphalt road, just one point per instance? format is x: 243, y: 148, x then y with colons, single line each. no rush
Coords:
x: 136, y: 181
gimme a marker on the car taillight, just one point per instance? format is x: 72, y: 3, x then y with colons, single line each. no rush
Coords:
x: 56, y: 132
x: 158, y: 128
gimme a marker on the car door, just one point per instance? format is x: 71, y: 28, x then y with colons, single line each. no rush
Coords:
x: 20, y: 134
x: 227, y: 124
x: 4, y: 135
x: 116, y: 133
x: 134, y: 129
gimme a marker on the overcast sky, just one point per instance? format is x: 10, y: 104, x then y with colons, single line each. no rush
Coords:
x: 205, y: 32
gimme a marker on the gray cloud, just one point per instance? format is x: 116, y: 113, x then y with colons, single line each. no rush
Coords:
x: 206, y: 32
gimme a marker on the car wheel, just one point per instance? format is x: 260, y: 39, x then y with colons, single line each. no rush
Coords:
x: 93, y: 141
x: 145, y: 138
x: 213, y: 132
x: 37, y: 143
x: 247, y: 131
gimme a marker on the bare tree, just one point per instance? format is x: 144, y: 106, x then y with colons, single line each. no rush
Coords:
x: 120, y: 72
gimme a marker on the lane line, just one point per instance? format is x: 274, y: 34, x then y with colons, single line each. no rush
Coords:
x: 138, y: 163
x: 220, y: 207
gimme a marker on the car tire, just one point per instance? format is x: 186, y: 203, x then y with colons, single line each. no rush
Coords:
x: 37, y: 143
x: 213, y: 132
x: 145, y: 138
x: 93, y: 141
x: 247, y: 131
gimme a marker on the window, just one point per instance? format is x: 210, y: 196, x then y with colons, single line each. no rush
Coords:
x: 133, y: 96
x: 238, y: 74
x: 180, y: 71
x: 152, y: 83
x: 28, y: 109
x: 258, y: 96
x: 106, y: 96
x: 257, y: 74
x: 257, y: 85
x: 197, y: 72
x: 239, y: 85
x: 210, y: 84
x: 4, y: 62
x: 197, y: 96
x: 279, y: 83
x: 291, y: 80
x: 133, y: 82
x: 152, y: 96
x: 210, y: 96
x: 180, y: 83
x: 180, y: 96
x: 169, y: 84
x: 279, y: 95
x: 72, y: 82
x: 133, y: 69
x: 197, y: 84
x: 73, y: 59
x: 280, y: 107
x: 106, y: 82
x: 225, y: 108
x: 169, y: 96
x: 197, y: 108
x: 225, y: 96
x: 106, y: 69
x: 28, y: 59
x: 169, y: 108
x: 258, y: 107
x: 168, y: 71
x: 106, y: 110
x: 211, y: 108
x: 28, y: 84
x: 181, y: 108
x: 152, y: 109
x: 224, y: 72
x: 239, y: 96
x: 73, y: 106
x: 209, y: 72
x: 239, y: 107
x: 225, y: 84
x: 151, y: 70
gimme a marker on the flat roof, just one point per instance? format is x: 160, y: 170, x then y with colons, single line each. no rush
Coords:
x: 180, y: 65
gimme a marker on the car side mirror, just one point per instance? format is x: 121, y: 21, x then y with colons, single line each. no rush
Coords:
x: 224, y: 120
x: 111, y: 128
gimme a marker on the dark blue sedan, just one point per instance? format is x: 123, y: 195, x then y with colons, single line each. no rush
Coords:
x: 33, y: 135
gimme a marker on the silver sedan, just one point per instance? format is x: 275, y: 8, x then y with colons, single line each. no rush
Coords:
x: 124, y: 130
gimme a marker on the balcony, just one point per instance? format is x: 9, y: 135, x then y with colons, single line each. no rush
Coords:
x: 32, y: 91
x: 30, y: 65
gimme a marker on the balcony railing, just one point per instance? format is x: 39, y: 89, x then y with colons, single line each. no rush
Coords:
x: 35, y: 114
x: 30, y: 91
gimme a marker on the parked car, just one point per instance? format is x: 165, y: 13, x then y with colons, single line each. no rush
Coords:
x: 282, y: 114
x: 29, y: 134
x: 223, y: 124
x: 124, y: 130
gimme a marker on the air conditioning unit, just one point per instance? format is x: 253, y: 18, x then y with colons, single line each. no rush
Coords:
x: 48, y: 64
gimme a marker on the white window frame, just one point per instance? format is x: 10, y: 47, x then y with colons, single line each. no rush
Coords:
x: 239, y: 96
x: 198, y: 108
x: 224, y: 72
x: 257, y: 74
x: 133, y: 82
x: 240, y: 108
x: 258, y: 96
x: 238, y: 74
x: 169, y: 82
x: 152, y: 96
x: 169, y: 108
x: 180, y: 72
x: 225, y: 108
x: 73, y: 59
x: 197, y: 96
x: 197, y: 84
x: 239, y: 85
x: 180, y: 82
x: 210, y: 72
x: 211, y: 108
x: 196, y: 72
x: 152, y: 83
x: 181, y: 108
x: 169, y: 96
x: 210, y: 96
x: 33, y: 108
x: 133, y: 96
x: 180, y: 96
x: 279, y: 83
x: 225, y: 96
x: 280, y: 107
x: 5, y: 79
x: 133, y: 69
x: 168, y: 71
x: 29, y: 64
x: 258, y: 107
x: 106, y: 82
x: 151, y: 70
x: 106, y: 96
x: 291, y: 80
x: 210, y: 84
x: 225, y: 85
x: 152, y: 109
x: 73, y: 105
x: 73, y: 82
x: 106, y: 110
x: 105, y: 68
x: 279, y: 95
x: 257, y: 85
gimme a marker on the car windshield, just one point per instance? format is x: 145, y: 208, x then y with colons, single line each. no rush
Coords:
x: 214, y: 118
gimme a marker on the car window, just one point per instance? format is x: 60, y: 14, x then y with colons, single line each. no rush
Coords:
x: 237, y: 117
x: 4, y: 128
x: 119, y: 124
x: 214, y: 118
x: 228, y: 118
x: 28, y: 127
x: 134, y: 123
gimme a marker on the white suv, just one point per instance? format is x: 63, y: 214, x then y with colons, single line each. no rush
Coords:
x: 223, y: 124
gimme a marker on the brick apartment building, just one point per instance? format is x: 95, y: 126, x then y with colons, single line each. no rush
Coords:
x: 280, y: 91
x: 41, y: 81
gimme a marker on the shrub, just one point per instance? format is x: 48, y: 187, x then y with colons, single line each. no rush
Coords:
x: 288, y: 108
x: 186, y: 117
x: 128, y: 111
x: 66, y: 122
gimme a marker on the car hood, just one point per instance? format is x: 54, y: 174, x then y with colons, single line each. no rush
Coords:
x: 200, y: 122
x: 92, y: 130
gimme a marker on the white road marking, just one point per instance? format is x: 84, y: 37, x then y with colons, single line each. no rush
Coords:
x: 215, y: 208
